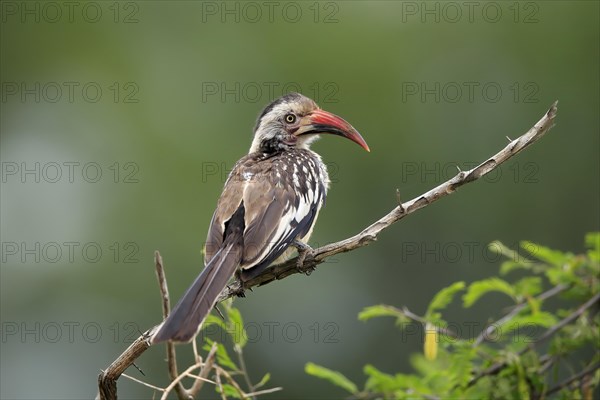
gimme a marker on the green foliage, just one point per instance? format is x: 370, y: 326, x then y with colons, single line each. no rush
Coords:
x: 332, y: 376
x: 223, y: 358
x: 229, y: 391
x: 479, y: 288
x: 233, y: 375
x: 382, y: 310
x: 444, y: 297
x: 235, y: 327
x: 509, y: 358
x: 592, y: 241
x: 266, y: 378
x: 528, y: 286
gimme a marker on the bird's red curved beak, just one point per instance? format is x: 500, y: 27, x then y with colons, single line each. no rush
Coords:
x: 325, y: 122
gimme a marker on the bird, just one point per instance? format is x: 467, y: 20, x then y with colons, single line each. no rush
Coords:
x: 268, y: 207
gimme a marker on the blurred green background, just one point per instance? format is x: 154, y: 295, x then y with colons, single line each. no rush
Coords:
x: 120, y: 121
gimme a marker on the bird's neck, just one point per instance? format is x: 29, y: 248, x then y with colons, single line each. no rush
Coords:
x: 280, y: 143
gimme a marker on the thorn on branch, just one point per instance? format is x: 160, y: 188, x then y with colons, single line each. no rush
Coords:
x: 219, y: 312
x: 369, y: 237
x: 138, y: 368
x: 399, y: 200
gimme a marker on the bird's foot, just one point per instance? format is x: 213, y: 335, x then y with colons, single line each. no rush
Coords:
x: 237, y: 286
x: 240, y: 292
x: 304, y: 250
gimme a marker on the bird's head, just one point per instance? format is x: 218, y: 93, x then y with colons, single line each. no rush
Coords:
x: 295, y: 121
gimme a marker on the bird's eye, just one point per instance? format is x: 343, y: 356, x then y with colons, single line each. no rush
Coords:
x: 290, y: 118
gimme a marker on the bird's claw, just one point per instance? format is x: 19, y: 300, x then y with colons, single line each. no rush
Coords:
x: 240, y: 292
x: 304, y: 250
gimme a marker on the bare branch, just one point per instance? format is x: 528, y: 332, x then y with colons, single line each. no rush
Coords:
x: 208, y: 365
x: 107, y: 380
x: 143, y: 383
x: 162, y: 284
x: 265, y: 391
x: 166, y: 306
x: 243, y: 368
x: 177, y: 380
x: 220, y: 385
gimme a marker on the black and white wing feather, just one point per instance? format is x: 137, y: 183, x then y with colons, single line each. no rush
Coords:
x: 281, y: 198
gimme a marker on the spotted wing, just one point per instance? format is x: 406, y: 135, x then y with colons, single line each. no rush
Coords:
x: 279, y: 207
x: 228, y: 204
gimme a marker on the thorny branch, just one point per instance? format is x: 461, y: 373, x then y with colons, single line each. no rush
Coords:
x: 166, y: 303
x: 107, y: 387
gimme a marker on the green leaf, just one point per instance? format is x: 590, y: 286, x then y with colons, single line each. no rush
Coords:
x: 213, y: 320
x: 544, y: 318
x: 499, y: 248
x: 558, y: 276
x: 510, y: 265
x: 235, y: 327
x: 332, y: 376
x: 381, y: 310
x: 444, y: 297
x: 452, y: 369
x: 515, y: 260
x: 552, y: 257
x: 223, y: 358
x: 479, y: 288
x: 534, y: 304
x: 393, y: 385
x: 263, y: 381
x: 462, y: 366
x: 592, y: 242
x: 379, y: 380
x: 522, y: 324
x: 422, y: 365
x: 522, y: 385
x: 229, y: 391
x: 528, y: 286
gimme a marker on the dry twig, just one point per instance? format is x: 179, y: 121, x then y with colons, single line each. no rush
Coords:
x: 166, y: 307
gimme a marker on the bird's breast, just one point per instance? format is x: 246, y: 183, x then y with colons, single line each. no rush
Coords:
x: 301, y: 169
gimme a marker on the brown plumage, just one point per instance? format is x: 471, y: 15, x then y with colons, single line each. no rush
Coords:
x: 271, y: 198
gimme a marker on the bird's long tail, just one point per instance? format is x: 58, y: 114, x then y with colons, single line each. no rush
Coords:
x: 186, y: 318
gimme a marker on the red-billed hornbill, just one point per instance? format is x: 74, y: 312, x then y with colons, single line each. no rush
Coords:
x: 269, y: 204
